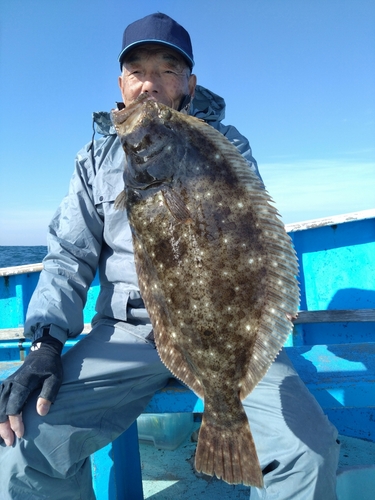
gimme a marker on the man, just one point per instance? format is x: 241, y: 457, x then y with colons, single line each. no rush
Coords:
x: 109, y: 376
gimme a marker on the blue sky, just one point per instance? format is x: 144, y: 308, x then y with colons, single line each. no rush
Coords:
x: 298, y: 77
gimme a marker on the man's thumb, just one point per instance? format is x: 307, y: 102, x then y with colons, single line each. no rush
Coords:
x: 43, y: 406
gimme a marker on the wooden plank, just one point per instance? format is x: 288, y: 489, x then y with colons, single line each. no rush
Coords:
x: 18, y: 333
x: 11, y: 333
x: 335, y: 316
x: 28, y: 268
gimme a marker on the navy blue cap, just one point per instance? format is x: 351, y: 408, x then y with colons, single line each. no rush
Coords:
x: 157, y: 28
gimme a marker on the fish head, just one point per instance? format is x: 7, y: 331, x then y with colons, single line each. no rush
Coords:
x: 146, y: 133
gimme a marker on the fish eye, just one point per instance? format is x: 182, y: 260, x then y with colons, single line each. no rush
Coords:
x: 165, y: 114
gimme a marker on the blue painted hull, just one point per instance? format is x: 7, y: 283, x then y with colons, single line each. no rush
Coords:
x: 335, y: 360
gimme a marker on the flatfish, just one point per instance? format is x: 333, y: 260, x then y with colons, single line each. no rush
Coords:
x: 216, y: 270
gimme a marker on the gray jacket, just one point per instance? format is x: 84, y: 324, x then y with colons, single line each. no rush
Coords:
x: 87, y: 233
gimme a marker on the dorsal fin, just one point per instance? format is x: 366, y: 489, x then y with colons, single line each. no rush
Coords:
x: 282, y: 286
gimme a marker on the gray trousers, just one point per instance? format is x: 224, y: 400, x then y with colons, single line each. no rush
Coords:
x: 109, y: 378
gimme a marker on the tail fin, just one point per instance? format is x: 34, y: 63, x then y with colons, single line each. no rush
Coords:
x: 229, y: 454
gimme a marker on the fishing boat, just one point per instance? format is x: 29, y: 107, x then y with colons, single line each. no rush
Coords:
x: 332, y: 347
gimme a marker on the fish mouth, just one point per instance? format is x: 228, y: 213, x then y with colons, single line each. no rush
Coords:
x: 131, y: 119
x: 119, y: 116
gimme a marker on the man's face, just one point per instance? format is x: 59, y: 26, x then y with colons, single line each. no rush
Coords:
x: 158, y: 70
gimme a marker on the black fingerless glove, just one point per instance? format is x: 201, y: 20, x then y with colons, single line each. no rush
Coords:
x: 42, y: 368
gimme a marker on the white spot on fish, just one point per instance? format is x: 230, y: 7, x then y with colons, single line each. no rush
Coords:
x: 248, y: 328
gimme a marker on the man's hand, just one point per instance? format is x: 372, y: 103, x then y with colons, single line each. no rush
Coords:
x: 42, y: 368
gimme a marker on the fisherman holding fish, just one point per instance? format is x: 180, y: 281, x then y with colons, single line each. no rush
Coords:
x: 55, y: 411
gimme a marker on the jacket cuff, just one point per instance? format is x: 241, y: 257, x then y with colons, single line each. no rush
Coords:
x: 53, y: 330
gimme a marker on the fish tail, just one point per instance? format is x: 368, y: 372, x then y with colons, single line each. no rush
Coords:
x: 229, y: 454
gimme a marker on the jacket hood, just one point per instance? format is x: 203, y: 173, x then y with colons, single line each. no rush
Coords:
x: 206, y: 105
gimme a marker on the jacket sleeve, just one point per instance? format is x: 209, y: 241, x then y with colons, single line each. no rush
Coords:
x: 74, y: 243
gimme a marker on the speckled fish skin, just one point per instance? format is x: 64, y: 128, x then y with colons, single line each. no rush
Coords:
x: 216, y: 270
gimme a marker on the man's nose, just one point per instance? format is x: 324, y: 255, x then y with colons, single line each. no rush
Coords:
x: 151, y: 84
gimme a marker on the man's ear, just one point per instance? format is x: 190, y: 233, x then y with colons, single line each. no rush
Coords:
x: 120, y: 84
x: 192, y: 84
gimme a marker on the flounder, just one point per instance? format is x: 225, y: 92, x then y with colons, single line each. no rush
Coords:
x: 216, y: 270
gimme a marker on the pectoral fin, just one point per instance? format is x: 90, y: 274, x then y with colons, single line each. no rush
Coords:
x: 176, y: 205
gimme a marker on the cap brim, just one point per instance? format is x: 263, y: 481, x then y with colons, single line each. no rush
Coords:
x: 166, y: 44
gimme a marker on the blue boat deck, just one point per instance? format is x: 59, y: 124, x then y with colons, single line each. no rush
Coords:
x: 168, y: 475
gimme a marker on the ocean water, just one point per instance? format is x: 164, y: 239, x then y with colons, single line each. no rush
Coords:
x: 19, y: 255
